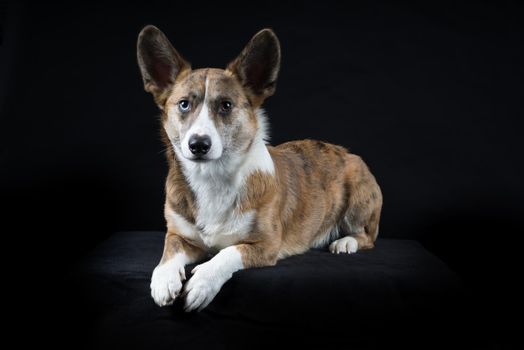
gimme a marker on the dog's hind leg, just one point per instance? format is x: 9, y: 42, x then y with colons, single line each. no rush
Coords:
x: 359, y: 224
x: 355, y: 237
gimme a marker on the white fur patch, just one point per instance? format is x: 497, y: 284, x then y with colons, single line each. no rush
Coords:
x: 263, y: 125
x: 179, y: 224
x: 203, y: 125
x: 209, y: 277
x: 217, y: 198
x: 220, y: 234
x: 167, y: 278
x: 258, y: 157
x: 346, y: 244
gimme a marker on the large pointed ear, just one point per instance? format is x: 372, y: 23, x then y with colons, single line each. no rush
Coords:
x: 159, y: 62
x: 257, y: 65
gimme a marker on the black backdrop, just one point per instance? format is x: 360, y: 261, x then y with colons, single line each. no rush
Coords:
x: 429, y: 93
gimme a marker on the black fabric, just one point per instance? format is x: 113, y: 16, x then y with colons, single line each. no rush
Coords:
x: 397, y: 293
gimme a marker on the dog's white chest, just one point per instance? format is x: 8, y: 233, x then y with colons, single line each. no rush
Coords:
x: 220, y: 232
x: 219, y: 188
x: 214, y: 231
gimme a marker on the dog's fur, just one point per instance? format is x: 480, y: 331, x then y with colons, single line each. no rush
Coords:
x: 246, y: 201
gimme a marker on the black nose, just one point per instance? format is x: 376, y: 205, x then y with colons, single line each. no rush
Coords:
x: 199, y: 145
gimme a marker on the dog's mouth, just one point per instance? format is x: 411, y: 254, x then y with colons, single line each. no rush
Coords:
x: 199, y: 159
x: 203, y: 158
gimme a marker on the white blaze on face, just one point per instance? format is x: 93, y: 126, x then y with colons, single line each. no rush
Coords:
x: 203, y: 126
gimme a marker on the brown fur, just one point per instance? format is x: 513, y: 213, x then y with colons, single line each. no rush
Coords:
x: 178, y: 194
x: 319, y: 185
x: 174, y: 243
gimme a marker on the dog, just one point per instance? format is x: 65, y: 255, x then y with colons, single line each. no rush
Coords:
x: 231, y: 195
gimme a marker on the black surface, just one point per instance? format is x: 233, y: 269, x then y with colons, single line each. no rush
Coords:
x: 396, y: 294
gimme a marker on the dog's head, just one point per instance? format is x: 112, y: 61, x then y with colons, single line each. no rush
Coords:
x: 209, y: 113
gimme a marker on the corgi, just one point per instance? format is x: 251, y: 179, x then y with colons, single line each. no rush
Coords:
x: 231, y: 195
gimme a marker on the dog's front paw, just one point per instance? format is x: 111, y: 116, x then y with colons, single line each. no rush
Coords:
x: 346, y: 244
x: 202, y: 288
x: 166, y: 282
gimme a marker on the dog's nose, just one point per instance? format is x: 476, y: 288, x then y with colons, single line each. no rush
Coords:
x: 199, y: 145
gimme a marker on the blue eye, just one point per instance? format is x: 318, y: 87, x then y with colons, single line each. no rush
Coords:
x: 184, y: 105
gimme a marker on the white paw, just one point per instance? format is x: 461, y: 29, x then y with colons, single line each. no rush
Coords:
x: 202, y: 288
x: 346, y: 244
x: 166, y: 282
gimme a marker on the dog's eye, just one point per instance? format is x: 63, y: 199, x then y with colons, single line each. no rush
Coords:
x: 184, y: 105
x: 225, y: 106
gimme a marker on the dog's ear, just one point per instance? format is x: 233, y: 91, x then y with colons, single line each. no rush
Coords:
x: 257, y: 66
x: 159, y: 62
